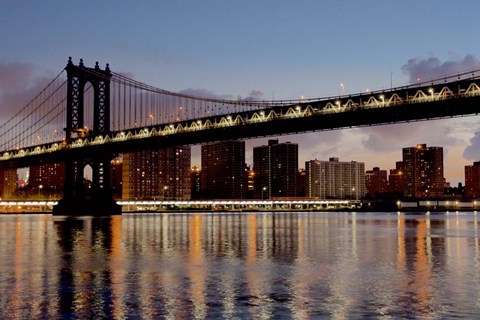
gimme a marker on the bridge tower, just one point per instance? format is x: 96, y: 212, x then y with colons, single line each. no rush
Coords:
x: 75, y: 201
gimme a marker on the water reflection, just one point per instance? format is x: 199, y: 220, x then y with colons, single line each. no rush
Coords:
x: 295, y: 265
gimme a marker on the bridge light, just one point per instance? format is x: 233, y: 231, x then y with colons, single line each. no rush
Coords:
x: 172, y: 126
x: 430, y: 90
x: 229, y: 117
x: 297, y: 108
x: 337, y: 103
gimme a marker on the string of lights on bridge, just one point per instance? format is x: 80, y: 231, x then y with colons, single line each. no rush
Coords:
x: 138, y: 111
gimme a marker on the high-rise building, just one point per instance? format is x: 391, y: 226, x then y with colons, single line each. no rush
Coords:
x: 8, y: 183
x: 472, y: 180
x: 195, y: 181
x: 376, y: 181
x: 250, y: 182
x: 396, y: 184
x: 49, y: 178
x: 116, y: 177
x: 262, y: 168
x: 423, y: 168
x: 223, y: 174
x: 174, y: 175
x: 301, y: 182
x: 157, y: 174
x: 140, y: 175
x: 276, y: 170
x: 335, y: 179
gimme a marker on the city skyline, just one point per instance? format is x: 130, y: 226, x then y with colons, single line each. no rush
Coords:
x: 268, y: 50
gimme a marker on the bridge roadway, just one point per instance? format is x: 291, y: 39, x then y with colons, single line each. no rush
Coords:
x: 435, y: 100
x: 197, y: 205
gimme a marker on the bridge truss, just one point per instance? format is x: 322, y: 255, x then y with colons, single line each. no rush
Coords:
x: 142, y: 116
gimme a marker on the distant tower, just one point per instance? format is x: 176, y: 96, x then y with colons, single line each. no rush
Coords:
x: 223, y: 174
x: 423, y: 168
x: 276, y: 170
x: 396, y: 181
x: 376, y: 181
x: 472, y: 180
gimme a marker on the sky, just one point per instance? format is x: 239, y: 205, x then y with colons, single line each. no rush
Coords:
x: 269, y: 49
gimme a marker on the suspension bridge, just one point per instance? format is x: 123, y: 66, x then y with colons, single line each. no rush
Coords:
x: 88, y: 115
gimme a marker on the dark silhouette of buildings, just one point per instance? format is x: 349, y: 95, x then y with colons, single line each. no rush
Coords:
x: 195, y: 181
x: 376, y: 181
x: 396, y: 181
x: 472, y: 180
x: 140, y: 178
x: 47, y: 178
x: 223, y: 174
x: 423, y: 168
x: 116, y: 169
x: 276, y: 170
x: 174, y: 173
x: 158, y: 174
x: 8, y: 183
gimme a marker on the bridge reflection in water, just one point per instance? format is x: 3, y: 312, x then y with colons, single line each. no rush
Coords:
x: 258, y: 265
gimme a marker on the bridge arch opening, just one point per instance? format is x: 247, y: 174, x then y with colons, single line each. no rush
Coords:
x: 89, y: 93
x: 87, y: 180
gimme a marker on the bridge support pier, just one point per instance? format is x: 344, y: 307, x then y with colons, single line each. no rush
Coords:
x: 77, y: 200
x: 87, y: 207
x: 98, y: 201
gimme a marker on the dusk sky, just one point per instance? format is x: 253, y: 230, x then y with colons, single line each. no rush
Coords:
x: 268, y: 49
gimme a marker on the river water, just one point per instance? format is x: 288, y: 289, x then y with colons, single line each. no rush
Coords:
x: 241, y: 265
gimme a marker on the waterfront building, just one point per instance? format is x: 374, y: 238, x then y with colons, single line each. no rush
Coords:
x: 250, y: 182
x: 157, y: 174
x: 335, y: 179
x: 276, y: 170
x: 472, y: 180
x: 423, y: 169
x: 195, y: 182
x: 140, y: 178
x: 47, y: 178
x: 376, y: 181
x: 116, y: 167
x: 396, y: 183
x: 174, y: 173
x: 262, y: 168
x: 301, y: 182
x: 8, y: 183
x: 223, y: 174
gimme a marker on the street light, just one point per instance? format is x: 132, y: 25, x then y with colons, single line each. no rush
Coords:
x: 40, y: 187
x: 263, y: 190
x: 165, y: 188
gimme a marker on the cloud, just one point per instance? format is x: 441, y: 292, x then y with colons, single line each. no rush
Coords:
x: 432, y: 67
x: 394, y: 137
x: 472, y: 152
x: 14, y: 75
x: 204, y: 93
x: 18, y: 84
x: 255, y: 95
